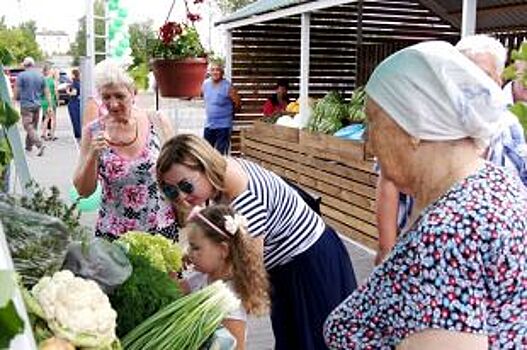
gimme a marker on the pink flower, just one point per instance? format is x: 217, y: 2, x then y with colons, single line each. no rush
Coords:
x: 116, y: 168
x: 135, y: 196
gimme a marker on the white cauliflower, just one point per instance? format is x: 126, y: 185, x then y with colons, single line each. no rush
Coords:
x: 76, y: 309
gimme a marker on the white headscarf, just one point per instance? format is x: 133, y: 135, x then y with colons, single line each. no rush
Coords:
x: 434, y: 92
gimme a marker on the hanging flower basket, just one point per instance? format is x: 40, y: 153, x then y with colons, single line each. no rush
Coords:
x: 179, y: 77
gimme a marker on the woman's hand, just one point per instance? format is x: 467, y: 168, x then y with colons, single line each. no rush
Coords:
x: 98, y: 143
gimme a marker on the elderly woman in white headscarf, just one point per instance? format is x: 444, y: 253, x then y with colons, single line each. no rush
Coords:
x: 457, y: 277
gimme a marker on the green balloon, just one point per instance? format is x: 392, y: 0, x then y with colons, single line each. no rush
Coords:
x: 114, y: 2
x: 112, y: 6
x: 111, y: 32
x: 91, y: 203
x: 123, y: 13
x: 117, y: 23
x: 118, y: 52
x: 124, y: 43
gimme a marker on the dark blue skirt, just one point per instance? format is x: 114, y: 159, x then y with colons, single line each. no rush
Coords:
x: 305, y: 290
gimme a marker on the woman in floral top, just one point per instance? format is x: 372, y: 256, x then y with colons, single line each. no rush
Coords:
x: 457, y: 278
x: 120, y: 150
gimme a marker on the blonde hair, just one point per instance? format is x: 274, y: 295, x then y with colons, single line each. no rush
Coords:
x: 195, y: 153
x: 109, y: 72
x: 249, y: 275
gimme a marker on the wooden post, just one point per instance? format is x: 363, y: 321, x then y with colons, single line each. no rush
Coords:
x: 228, y: 55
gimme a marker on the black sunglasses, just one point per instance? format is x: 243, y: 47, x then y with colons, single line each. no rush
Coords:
x: 171, y: 192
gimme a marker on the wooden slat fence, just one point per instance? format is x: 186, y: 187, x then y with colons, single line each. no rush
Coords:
x: 333, y: 168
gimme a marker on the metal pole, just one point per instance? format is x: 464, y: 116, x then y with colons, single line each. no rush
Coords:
x: 304, y: 65
x: 90, y: 48
x: 468, y: 25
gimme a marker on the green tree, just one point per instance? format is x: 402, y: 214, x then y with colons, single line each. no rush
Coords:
x: 20, y: 41
x: 142, y: 36
x: 228, y: 6
x: 78, y: 47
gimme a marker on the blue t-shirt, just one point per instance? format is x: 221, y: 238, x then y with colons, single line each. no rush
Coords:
x: 218, y: 104
x: 30, y: 85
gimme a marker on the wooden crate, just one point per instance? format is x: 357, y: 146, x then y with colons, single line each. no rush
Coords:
x: 333, y: 168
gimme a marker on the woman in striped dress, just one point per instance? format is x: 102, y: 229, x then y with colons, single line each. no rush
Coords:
x: 309, y: 268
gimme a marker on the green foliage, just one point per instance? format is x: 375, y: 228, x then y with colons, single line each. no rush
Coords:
x: 140, y: 75
x: 142, y: 37
x: 229, y: 6
x: 147, y: 291
x: 78, y: 47
x: 10, y: 322
x: 18, y: 42
x: 517, y: 70
x: 186, y: 44
x: 520, y: 110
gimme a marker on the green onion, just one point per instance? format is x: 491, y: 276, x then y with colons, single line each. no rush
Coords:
x: 185, y: 323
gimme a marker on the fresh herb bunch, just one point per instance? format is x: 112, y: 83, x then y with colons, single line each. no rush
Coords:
x: 144, y: 293
x: 38, y: 230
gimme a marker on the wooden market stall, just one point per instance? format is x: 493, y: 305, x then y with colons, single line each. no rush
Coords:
x: 327, y: 45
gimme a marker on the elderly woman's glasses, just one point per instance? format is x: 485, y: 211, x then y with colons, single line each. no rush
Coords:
x: 171, y: 192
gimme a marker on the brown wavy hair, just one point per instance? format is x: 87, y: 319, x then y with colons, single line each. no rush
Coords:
x: 246, y: 259
x: 195, y: 153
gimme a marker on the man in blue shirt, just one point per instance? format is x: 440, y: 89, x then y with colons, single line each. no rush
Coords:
x: 30, y: 87
x: 221, y: 102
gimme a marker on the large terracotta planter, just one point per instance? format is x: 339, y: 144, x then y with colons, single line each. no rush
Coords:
x: 180, y: 78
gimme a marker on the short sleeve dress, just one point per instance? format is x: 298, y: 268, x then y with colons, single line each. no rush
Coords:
x: 461, y: 267
x: 131, y: 197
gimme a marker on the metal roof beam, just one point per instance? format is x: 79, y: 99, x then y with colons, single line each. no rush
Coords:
x: 286, y: 12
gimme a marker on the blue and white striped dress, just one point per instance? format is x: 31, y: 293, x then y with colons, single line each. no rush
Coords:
x: 275, y: 210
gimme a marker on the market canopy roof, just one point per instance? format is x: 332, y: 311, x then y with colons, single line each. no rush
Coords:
x: 492, y: 14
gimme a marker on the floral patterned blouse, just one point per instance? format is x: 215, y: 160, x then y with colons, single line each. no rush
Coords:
x: 461, y: 267
x: 131, y: 198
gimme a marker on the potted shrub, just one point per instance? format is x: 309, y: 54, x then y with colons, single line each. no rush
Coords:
x: 178, y: 59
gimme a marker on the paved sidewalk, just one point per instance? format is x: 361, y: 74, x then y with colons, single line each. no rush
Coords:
x: 57, y: 165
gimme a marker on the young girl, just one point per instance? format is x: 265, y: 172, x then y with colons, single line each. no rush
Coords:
x: 220, y: 248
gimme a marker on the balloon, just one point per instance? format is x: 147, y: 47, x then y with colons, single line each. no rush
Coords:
x: 117, y: 23
x: 112, y: 6
x: 123, y: 13
x: 124, y: 43
x: 118, y: 51
x: 91, y: 203
x: 111, y: 32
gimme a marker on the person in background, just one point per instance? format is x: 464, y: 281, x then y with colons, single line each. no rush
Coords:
x: 119, y: 149
x: 74, y: 104
x: 457, y: 277
x: 221, y: 102
x: 276, y: 105
x: 309, y: 267
x: 221, y: 249
x: 30, y: 88
x: 48, y: 111
x: 508, y: 148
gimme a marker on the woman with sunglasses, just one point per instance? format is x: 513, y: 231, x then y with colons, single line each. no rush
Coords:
x: 309, y: 268
x: 119, y: 149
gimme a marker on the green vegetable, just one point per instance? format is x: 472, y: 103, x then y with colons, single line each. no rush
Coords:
x: 186, y: 323
x: 161, y: 252
x: 357, y: 105
x: 10, y: 322
x: 144, y: 293
x: 329, y: 114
